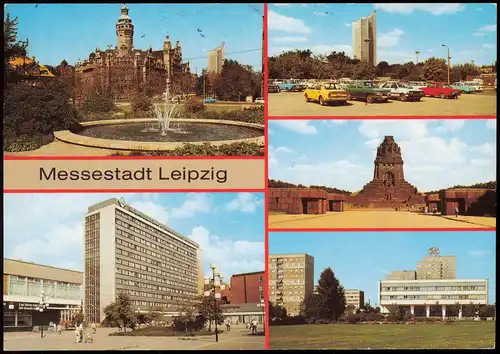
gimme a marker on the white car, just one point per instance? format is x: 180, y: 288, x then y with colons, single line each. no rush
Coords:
x: 259, y: 100
x: 476, y: 85
x: 403, y: 91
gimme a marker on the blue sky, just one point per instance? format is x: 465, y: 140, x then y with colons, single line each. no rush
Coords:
x: 361, y: 259
x: 339, y: 153
x: 48, y: 228
x: 80, y: 28
x: 468, y: 29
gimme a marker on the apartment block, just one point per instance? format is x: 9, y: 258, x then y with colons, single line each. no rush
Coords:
x: 402, y: 275
x: 216, y: 59
x: 355, y: 298
x: 128, y: 251
x: 364, y: 38
x: 291, y: 279
x: 247, y: 288
x: 436, y: 266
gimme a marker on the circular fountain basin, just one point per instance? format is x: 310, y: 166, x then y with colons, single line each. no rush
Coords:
x: 134, y: 134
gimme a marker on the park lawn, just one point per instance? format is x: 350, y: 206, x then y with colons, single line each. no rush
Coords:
x: 464, y: 335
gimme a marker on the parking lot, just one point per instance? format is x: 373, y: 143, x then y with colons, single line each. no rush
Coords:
x: 477, y: 104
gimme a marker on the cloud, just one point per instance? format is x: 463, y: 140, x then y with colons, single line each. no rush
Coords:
x: 334, y: 122
x: 390, y: 39
x: 195, y: 203
x: 288, y: 39
x: 479, y: 253
x: 244, y: 202
x: 435, y: 9
x: 450, y: 125
x: 488, y: 28
x: 483, y: 162
x: 319, y: 13
x: 297, y: 126
x: 484, y: 149
x: 488, y: 46
x: 348, y: 24
x: 231, y: 256
x: 286, y: 24
x: 491, y: 123
x: 278, y: 5
x: 284, y: 149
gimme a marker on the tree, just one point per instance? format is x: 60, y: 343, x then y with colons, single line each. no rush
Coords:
x: 120, y: 312
x: 314, y: 306
x: 211, y: 310
x: 350, y: 308
x: 155, y: 314
x: 235, y: 82
x: 382, y: 68
x: 332, y: 293
x: 435, y: 69
x: 78, y: 318
x: 461, y: 71
x: 12, y: 48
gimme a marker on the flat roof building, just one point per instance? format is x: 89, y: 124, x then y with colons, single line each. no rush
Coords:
x: 436, y: 266
x: 23, y: 284
x: 216, y: 59
x: 422, y: 295
x: 355, y: 298
x: 364, y: 39
x: 402, y: 275
x: 247, y: 288
x: 291, y: 279
x: 128, y: 251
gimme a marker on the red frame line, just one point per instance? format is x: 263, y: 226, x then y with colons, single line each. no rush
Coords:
x: 136, y: 158
x: 443, y: 229
x: 141, y: 190
x: 380, y: 117
x: 266, y: 169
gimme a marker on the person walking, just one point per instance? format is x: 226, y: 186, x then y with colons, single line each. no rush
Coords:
x: 94, y: 328
x: 228, y: 325
x: 59, y: 329
x: 254, y: 326
x: 77, y: 334
x: 456, y: 212
x: 80, y: 330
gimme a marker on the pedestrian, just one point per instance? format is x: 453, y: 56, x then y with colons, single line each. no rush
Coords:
x: 80, y: 330
x: 77, y: 334
x: 254, y: 326
x: 456, y: 212
x: 228, y: 325
x: 94, y: 328
x: 59, y: 329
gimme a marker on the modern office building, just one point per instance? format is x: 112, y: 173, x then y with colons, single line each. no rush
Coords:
x: 402, y: 275
x: 291, y: 279
x: 436, y: 266
x: 355, y: 298
x: 247, y: 288
x: 127, y: 251
x: 216, y: 59
x: 23, y: 284
x: 422, y: 296
x: 364, y: 39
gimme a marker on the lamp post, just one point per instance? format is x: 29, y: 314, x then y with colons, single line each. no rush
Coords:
x: 212, y: 285
x: 444, y: 45
x: 138, y: 313
x: 42, y: 305
x: 417, y: 52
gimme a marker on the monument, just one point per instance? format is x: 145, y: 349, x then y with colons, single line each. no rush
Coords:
x: 388, y: 187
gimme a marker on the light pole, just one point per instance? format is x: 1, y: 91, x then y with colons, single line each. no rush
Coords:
x: 443, y: 45
x: 212, y: 285
x: 42, y: 305
x: 417, y: 52
x: 262, y: 304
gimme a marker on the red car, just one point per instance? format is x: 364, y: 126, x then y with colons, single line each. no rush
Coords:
x: 440, y: 89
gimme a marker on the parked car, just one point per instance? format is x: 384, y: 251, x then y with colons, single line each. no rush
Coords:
x: 440, y: 89
x: 259, y: 100
x: 476, y: 85
x: 403, y: 91
x: 291, y: 86
x: 417, y: 84
x: 209, y: 100
x: 326, y: 93
x: 463, y: 87
x: 272, y: 88
x: 367, y: 91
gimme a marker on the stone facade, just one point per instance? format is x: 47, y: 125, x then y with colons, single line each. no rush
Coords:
x: 123, y: 71
x: 469, y: 201
x: 304, y: 201
x: 388, y: 187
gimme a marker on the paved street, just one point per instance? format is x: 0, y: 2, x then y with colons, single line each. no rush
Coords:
x: 237, y: 339
x: 377, y: 219
x: 293, y: 104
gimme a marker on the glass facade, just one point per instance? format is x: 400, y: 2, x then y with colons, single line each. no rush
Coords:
x: 25, y: 286
x: 92, y: 271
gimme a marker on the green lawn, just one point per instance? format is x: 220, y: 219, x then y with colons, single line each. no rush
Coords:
x: 464, y: 335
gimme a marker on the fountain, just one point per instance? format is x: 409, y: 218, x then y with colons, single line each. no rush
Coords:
x: 165, y: 117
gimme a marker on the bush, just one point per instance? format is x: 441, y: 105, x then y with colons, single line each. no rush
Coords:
x: 352, y: 318
x: 162, y: 332
x: 288, y: 321
x: 248, y: 115
x: 98, y: 104
x: 235, y: 149
x: 194, y: 105
x: 33, y: 114
x: 141, y: 106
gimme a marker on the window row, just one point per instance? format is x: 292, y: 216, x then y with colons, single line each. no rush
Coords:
x: 151, y: 269
x: 154, y: 287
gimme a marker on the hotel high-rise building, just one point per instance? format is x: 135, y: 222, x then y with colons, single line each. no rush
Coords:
x: 402, y: 275
x: 291, y: 279
x: 127, y: 251
x: 355, y: 298
x: 364, y: 39
x: 436, y: 266
x: 216, y: 59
